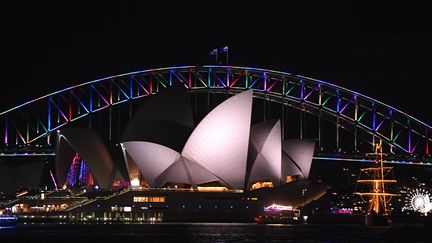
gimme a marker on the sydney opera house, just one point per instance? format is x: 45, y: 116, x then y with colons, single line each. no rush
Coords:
x: 223, y: 169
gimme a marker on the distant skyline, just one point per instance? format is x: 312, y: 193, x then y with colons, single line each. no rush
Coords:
x: 382, y: 52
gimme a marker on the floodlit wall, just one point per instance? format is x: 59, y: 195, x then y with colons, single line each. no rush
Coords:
x: 90, y: 148
x: 265, y: 160
x: 220, y: 141
x: 299, y: 152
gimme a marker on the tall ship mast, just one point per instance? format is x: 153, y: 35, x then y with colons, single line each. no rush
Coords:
x: 378, y: 180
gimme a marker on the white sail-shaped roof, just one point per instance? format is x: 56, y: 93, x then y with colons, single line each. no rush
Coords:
x: 289, y: 168
x: 151, y: 158
x: 199, y: 174
x: 165, y: 119
x: 185, y: 171
x: 177, y: 172
x: 265, y: 161
x: 91, y: 148
x: 300, y: 152
x: 220, y: 141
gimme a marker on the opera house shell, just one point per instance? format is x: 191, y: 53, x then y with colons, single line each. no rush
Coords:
x: 162, y: 148
x: 91, y: 149
x: 223, y: 149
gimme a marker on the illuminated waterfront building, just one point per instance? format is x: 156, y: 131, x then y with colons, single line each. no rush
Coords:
x: 223, y: 170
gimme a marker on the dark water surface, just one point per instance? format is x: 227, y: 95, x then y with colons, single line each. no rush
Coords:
x: 212, y: 232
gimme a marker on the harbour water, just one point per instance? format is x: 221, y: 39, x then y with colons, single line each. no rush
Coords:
x: 212, y: 232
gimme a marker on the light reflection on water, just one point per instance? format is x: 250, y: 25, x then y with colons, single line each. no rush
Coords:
x: 211, y: 232
x: 6, y: 227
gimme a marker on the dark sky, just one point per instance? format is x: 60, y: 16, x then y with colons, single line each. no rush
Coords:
x: 381, y: 51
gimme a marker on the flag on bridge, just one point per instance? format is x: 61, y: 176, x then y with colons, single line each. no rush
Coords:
x: 214, y: 52
x: 224, y: 49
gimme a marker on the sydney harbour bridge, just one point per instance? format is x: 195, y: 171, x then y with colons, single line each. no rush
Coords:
x: 345, y: 123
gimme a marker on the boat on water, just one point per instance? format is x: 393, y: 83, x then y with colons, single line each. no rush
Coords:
x: 8, y: 220
x: 279, y: 214
x: 377, y: 193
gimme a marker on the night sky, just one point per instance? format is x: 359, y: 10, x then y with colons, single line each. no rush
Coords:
x: 381, y: 51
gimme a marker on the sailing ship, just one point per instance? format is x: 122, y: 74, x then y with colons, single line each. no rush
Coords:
x: 378, y: 181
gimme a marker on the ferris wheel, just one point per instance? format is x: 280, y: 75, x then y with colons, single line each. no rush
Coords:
x: 419, y: 201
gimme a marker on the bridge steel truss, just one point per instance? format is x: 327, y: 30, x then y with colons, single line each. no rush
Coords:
x: 28, y: 123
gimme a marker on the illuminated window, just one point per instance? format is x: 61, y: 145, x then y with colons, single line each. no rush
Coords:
x: 127, y: 209
x: 292, y: 178
x: 212, y: 189
x: 261, y: 184
x: 135, y: 182
x: 150, y: 199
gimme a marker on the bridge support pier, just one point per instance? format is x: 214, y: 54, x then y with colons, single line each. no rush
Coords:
x: 337, y: 135
x: 301, y: 122
x: 130, y: 111
x: 355, y: 139
x: 195, y: 105
x: 208, y: 101
x: 90, y: 122
x: 110, y: 124
x: 283, y: 119
x: 319, y: 129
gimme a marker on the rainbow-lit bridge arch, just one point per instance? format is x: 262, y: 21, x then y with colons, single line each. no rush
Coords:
x: 406, y: 138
